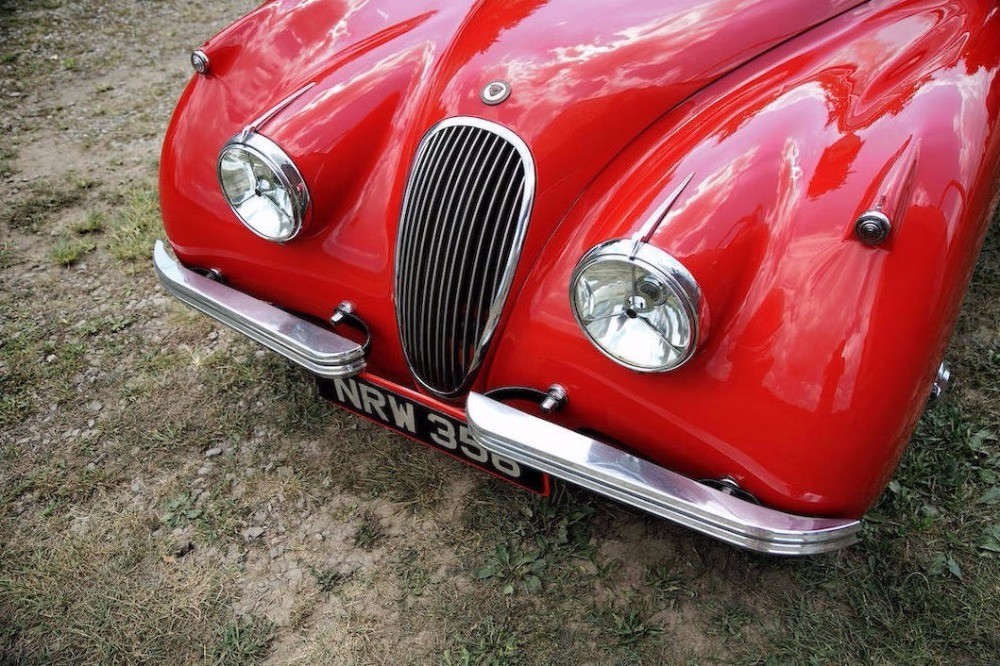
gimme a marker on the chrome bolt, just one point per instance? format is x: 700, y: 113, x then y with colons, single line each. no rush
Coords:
x: 941, y: 382
x: 343, y: 310
x: 873, y: 228
x: 555, y: 399
x: 199, y: 61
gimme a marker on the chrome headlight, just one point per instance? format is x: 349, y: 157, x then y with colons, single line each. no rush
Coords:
x: 637, y: 304
x: 263, y: 187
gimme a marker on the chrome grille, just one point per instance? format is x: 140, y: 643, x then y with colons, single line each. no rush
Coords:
x: 464, y: 217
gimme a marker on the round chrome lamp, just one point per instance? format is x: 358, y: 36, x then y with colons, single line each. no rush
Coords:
x: 638, y: 305
x: 263, y: 186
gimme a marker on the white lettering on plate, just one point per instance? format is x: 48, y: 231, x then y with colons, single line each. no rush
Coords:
x: 508, y: 467
x: 347, y: 391
x: 445, y: 433
x: 470, y: 448
x: 374, y: 402
x: 403, y: 415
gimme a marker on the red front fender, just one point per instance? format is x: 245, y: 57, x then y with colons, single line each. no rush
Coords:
x: 821, y: 349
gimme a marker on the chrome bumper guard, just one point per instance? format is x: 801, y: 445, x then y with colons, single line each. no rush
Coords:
x: 608, y: 471
x: 316, y: 349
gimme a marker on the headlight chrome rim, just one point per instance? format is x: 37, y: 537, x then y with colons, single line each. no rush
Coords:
x: 284, y: 170
x: 668, y: 270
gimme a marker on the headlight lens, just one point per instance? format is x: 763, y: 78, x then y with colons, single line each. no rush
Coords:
x: 263, y: 187
x: 637, y: 304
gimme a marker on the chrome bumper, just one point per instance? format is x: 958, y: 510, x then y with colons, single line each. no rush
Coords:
x: 316, y: 349
x: 608, y: 471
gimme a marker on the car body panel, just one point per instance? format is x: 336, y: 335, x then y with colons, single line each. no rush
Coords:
x: 790, y: 118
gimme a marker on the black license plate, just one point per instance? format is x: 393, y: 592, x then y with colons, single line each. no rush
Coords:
x: 429, y: 426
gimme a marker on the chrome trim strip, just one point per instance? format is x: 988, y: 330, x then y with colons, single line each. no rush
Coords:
x: 256, y: 124
x: 314, y: 348
x: 613, y: 473
x: 656, y: 219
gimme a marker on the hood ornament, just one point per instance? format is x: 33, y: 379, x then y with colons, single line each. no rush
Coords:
x: 495, y: 93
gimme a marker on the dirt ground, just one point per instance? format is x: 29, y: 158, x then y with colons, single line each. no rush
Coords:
x: 169, y: 493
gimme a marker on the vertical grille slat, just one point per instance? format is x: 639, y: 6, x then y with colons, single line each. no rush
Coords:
x: 450, y: 224
x: 420, y: 205
x: 465, y: 214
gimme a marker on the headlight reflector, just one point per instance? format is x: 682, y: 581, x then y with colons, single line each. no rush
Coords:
x: 263, y: 187
x: 637, y: 304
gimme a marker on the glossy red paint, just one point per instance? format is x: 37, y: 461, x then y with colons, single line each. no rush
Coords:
x: 794, y: 117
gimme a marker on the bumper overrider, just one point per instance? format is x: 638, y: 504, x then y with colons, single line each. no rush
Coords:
x: 522, y: 437
x: 316, y: 349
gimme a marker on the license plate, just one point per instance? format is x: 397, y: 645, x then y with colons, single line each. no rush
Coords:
x: 428, y: 426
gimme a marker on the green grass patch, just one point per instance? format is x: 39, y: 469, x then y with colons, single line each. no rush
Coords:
x: 93, y: 223
x: 68, y: 252
x: 245, y: 640
x: 136, y: 226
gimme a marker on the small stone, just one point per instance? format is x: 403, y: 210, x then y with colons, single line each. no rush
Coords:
x: 214, y: 452
x: 205, y: 470
x: 253, y: 534
x: 94, y: 407
x: 51, y: 358
x: 318, y: 537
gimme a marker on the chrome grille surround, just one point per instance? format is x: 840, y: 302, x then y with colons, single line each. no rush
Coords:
x: 465, y: 215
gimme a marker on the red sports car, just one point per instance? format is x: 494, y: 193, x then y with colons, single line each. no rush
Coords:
x: 700, y: 256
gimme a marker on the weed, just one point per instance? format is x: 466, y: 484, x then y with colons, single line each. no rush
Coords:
x: 668, y: 583
x: 93, y: 223
x: 67, y: 252
x: 414, y: 578
x: 629, y: 624
x: 245, y: 640
x: 181, y: 510
x: 370, y: 533
x: 513, y: 565
x: 488, y: 643
x: 328, y: 580
x: 7, y: 156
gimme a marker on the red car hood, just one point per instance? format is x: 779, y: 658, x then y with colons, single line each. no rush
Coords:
x: 587, y: 77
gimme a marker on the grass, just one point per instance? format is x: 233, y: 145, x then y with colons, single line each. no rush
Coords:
x: 93, y: 223
x: 42, y: 203
x: 370, y: 532
x: 96, y: 598
x: 135, y: 227
x: 67, y: 252
x: 244, y: 640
